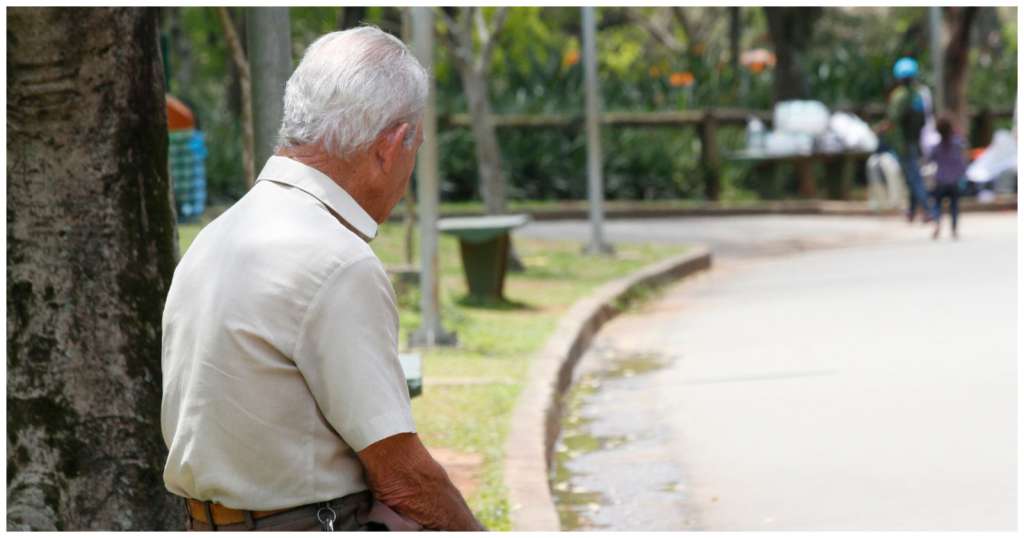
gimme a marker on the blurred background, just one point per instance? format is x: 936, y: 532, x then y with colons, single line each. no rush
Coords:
x: 649, y: 59
x: 838, y: 369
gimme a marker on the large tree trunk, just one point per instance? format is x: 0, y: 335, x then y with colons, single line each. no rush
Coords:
x: 955, y: 61
x: 90, y: 253
x: 791, y: 29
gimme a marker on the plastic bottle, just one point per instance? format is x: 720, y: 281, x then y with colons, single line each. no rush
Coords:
x: 755, y: 134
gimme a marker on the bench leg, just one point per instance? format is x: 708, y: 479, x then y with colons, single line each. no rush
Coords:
x: 805, y: 176
x: 485, y: 265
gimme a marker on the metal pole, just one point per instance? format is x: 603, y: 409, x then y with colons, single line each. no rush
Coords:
x: 430, y: 332
x: 935, y: 27
x: 595, y: 190
x: 269, y: 41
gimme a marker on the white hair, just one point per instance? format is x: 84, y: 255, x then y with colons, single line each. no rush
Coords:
x: 349, y: 88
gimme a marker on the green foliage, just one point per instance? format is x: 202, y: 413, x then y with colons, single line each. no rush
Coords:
x: 307, y: 24
x: 536, y: 69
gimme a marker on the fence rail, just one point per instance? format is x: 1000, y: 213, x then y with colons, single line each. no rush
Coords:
x: 669, y: 117
x: 707, y: 122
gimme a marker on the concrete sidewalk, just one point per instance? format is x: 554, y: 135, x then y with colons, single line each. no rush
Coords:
x: 863, y: 388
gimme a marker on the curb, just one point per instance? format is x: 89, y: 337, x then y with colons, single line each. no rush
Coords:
x: 615, y: 211
x: 535, y: 421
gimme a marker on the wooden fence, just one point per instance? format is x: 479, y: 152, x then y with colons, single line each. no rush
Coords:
x: 706, y: 121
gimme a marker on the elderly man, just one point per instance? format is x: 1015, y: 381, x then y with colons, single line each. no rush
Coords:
x: 284, y: 404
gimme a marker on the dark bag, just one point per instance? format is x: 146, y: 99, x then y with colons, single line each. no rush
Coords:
x: 912, y: 117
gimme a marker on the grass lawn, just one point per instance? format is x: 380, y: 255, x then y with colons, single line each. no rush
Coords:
x: 470, y: 390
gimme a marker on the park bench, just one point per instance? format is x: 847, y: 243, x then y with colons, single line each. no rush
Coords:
x: 841, y: 169
x: 484, y: 245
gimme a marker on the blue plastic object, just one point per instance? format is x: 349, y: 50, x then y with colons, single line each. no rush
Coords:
x: 905, y: 67
x: 187, y: 163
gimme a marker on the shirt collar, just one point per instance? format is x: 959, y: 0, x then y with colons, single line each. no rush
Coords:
x: 314, y: 182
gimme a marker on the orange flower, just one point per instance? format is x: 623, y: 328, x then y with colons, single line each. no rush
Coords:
x: 681, y: 79
x: 757, y: 60
x: 654, y: 71
x: 571, y: 57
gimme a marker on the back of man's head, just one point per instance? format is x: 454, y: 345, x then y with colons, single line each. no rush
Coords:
x: 350, y: 87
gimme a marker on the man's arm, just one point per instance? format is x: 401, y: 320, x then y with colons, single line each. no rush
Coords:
x: 404, y: 476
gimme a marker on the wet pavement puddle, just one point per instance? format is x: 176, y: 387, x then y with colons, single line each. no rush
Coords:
x: 612, y: 470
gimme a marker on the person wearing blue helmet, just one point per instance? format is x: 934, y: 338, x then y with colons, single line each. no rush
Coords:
x: 906, y: 115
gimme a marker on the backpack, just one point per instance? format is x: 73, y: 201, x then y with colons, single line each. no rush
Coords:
x: 913, y: 116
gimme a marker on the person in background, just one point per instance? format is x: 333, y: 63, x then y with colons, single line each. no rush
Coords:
x: 906, y: 115
x: 949, y: 156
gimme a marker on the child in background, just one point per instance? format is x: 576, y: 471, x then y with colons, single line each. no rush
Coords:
x: 950, y: 157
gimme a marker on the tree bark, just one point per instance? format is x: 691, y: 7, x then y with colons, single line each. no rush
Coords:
x: 90, y: 252
x: 735, y: 33
x: 791, y: 29
x: 955, y: 61
x: 245, y: 82
x: 485, y: 138
x: 473, y: 67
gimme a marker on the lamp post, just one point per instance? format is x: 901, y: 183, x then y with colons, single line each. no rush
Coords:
x: 595, y: 185
x: 270, y: 59
x: 430, y: 332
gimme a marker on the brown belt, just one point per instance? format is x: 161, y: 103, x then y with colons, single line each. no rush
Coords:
x: 203, y: 511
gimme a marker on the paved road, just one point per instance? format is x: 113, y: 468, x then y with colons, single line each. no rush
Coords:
x: 736, y: 237
x: 864, y: 388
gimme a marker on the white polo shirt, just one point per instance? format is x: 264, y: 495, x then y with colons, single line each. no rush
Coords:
x: 280, y: 349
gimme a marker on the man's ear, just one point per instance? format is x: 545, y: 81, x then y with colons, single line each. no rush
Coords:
x: 389, y: 145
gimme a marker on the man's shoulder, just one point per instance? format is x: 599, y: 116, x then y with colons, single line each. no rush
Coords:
x: 292, y: 219
x: 279, y: 231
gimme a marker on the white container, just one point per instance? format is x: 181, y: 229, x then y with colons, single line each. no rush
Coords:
x: 788, y: 143
x: 999, y: 156
x: 755, y: 134
x: 855, y: 134
x: 808, y: 117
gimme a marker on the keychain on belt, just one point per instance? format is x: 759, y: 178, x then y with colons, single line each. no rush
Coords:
x: 326, y: 516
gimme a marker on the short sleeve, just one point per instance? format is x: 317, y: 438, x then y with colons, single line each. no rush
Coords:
x: 347, y: 350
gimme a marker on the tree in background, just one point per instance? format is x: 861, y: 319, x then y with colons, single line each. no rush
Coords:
x: 90, y: 252
x: 241, y: 63
x: 471, y: 38
x: 534, y: 69
x: 958, y: 21
x: 791, y: 29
